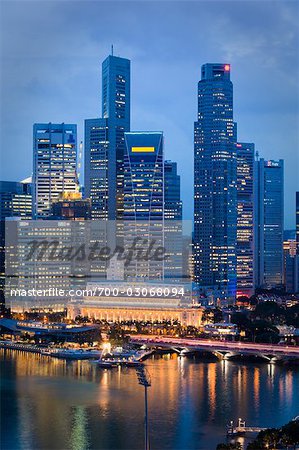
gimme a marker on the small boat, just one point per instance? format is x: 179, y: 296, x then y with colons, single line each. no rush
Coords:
x: 80, y: 353
x: 106, y: 364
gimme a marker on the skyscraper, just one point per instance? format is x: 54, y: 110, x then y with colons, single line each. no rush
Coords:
x: 104, y: 141
x: 297, y: 221
x: 143, y: 211
x: 96, y: 166
x: 172, y: 192
x: 144, y: 176
x: 245, y: 220
x: 215, y: 182
x: 173, y: 232
x: 54, y: 164
x: 269, y: 223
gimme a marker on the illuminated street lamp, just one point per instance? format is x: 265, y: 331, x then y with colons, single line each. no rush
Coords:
x: 144, y: 379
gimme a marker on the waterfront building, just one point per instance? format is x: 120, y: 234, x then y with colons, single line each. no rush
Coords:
x: 39, y: 263
x: 297, y: 221
x: 245, y: 219
x: 215, y: 183
x: 54, y: 165
x: 136, y: 308
x: 104, y: 142
x: 269, y: 223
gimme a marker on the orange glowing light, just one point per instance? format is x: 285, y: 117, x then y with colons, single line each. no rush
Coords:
x: 227, y: 67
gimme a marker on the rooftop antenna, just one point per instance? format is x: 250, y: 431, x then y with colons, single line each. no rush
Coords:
x: 112, y: 49
x: 257, y: 155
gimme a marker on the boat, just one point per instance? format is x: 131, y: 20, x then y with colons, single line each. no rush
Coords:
x: 69, y: 353
x: 120, y: 357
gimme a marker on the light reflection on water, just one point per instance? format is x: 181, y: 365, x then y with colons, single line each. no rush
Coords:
x: 54, y: 404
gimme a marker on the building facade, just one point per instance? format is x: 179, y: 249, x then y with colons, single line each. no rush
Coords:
x: 245, y: 219
x: 104, y: 142
x: 215, y: 182
x: 15, y: 201
x: 54, y: 165
x: 143, y: 205
x: 269, y: 223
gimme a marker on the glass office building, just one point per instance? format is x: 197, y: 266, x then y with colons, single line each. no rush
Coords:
x: 215, y: 183
x: 54, y: 165
x: 104, y: 142
x: 269, y: 223
x: 245, y: 219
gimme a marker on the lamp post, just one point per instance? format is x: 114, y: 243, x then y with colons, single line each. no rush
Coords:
x: 144, y: 380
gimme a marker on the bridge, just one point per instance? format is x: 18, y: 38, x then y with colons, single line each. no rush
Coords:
x: 222, y: 349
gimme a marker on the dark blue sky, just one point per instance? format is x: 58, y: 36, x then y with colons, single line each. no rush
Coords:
x: 51, y: 56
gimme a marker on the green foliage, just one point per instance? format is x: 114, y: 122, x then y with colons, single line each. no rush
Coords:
x: 272, y: 438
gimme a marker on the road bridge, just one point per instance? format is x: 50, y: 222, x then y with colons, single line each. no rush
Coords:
x: 222, y: 349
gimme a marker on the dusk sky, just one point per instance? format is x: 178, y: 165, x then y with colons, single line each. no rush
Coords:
x: 51, y: 55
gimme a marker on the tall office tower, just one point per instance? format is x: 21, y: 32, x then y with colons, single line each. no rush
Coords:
x: 144, y: 199
x: 173, y: 238
x: 215, y: 183
x: 15, y: 201
x: 245, y: 219
x: 269, y: 223
x: 54, y: 164
x: 172, y: 192
x: 104, y: 142
x: 96, y: 167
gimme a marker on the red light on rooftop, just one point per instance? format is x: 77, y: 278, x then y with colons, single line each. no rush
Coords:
x: 239, y: 145
x: 227, y: 67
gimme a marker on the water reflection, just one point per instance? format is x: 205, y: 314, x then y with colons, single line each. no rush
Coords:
x: 54, y: 404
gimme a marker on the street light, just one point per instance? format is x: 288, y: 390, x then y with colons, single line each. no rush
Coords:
x: 144, y: 380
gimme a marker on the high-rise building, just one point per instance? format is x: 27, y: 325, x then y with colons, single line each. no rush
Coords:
x: 96, y: 166
x: 54, y: 164
x: 172, y: 192
x: 15, y: 201
x: 297, y: 221
x: 104, y: 142
x: 245, y: 219
x: 269, y: 223
x: 174, y: 269
x: 215, y: 182
x: 144, y: 176
x: 143, y: 212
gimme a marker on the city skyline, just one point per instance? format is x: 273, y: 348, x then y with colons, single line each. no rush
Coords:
x: 156, y: 74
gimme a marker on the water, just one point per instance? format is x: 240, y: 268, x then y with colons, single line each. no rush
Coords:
x: 53, y: 404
